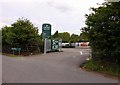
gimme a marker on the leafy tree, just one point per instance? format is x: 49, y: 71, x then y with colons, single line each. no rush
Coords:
x: 55, y: 35
x: 6, y: 35
x: 84, y: 35
x: 74, y: 38
x: 21, y: 32
x: 65, y: 36
x: 103, y: 27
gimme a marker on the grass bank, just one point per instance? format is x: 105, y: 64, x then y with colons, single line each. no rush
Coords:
x: 110, y: 69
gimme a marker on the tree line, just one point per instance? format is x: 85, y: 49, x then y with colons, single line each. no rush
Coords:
x: 23, y: 34
x: 103, y: 29
x: 73, y: 38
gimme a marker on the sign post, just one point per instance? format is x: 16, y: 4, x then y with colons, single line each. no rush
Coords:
x: 46, y: 31
x: 16, y: 49
x: 46, y: 34
x: 45, y: 46
x: 50, y: 44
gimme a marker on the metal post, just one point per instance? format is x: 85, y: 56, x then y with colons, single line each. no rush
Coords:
x: 13, y: 52
x: 60, y: 45
x: 45, y: 46
x: 19, y: 52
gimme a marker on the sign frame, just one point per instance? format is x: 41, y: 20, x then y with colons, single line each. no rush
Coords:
x: 46, y: 31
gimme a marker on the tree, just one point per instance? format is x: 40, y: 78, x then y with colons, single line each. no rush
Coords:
x: 84, y: 35
x: 65, y: 36
x: 103, y: 27
x: 74, y: 38
x: 55, y: 35
x: 21, y: 32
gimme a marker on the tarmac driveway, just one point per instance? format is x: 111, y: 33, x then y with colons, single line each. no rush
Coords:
x: 56, y: 67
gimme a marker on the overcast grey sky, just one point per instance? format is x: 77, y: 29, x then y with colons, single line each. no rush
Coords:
x: 63, y: 15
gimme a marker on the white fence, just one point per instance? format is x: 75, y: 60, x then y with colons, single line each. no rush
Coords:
x: 48, y: 45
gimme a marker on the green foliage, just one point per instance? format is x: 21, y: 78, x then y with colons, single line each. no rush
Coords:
x: 55, y: 35
x: 74, y: 38
x: 93, y: 65
x: 112, y: 69
x: 65, y: 36
x: 84, y: 36
x: 103, y: 27
x: 20, y: 33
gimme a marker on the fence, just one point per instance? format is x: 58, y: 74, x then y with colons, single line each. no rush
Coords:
x: 25, y: 49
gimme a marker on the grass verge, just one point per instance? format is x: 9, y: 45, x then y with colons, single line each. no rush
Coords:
x: 10, y: 55
x: 110, y: 69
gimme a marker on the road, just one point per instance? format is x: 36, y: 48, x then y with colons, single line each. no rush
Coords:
x: 56, y: 67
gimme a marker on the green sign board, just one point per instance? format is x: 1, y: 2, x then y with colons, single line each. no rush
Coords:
x: 55, y: 45
x: 46, y: 31
x: 16, y: 49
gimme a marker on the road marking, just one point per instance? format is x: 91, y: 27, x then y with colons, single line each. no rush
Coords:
x: 81, y: 53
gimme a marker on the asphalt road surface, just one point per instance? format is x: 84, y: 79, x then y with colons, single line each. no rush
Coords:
x: 56, y: 67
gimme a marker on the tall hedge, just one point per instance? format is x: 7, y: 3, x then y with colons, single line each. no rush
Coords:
x: 103, y: 27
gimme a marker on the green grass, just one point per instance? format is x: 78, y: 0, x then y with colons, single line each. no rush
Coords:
x: 111, y: 69
x: 9, y: 55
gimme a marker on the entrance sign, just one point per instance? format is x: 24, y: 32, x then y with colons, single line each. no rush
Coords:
x: 46, y: 31
x: 50, y: 44
x: 16, y: 49
x: 55, y: 44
